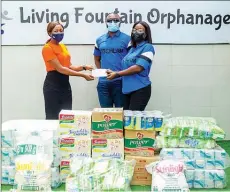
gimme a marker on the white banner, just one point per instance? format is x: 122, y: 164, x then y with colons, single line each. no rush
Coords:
x: 181, y: 22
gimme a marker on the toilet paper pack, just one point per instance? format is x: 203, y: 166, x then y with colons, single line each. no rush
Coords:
x: 75, y: 123
x: 209, y: 179
x: 8, y: 156
x: 7, y: 139
x: 8, y: 174
x: 199, y: 179
x: 190, y: 174
x: 200, y: 164
x: 56, y: 157
x: 220, y: 179
x: 220, y: 158
x: 56, y: 179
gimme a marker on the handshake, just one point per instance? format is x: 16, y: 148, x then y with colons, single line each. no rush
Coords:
x: 99, y: 73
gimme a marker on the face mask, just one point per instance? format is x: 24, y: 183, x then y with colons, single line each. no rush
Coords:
x: 113, y: 27
x: 57, y: 36
x: 138, y: 37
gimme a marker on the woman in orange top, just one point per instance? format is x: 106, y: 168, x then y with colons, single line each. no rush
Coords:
x: 57, y: 90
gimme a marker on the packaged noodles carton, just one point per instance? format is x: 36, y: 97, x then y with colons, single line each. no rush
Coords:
x: 113, y: 148
x: 64, y: 169
x: 107, y: 123
x: 139, y: 143
x: 75, y: 123
x: 141, y: 176
x: 71, y: 147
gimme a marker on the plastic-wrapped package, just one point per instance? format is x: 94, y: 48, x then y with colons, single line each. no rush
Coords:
x: 185, y: 142
x: 99, y: 175
x: 168, y: 175
x: 195, y: 127
x: 209, y: 159
x: 33, y: 160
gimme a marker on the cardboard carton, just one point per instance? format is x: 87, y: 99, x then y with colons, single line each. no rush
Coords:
x: 107, y: 123
x: 113, y: 148
x: 141, y: 176
x: 139, y: 143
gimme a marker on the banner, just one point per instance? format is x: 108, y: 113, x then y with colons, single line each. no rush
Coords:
x: 171, y: 22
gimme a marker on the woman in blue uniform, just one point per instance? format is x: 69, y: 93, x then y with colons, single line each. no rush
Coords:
x: 136, y: 66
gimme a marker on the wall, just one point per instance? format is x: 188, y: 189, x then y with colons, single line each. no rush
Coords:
x: 187, y: 80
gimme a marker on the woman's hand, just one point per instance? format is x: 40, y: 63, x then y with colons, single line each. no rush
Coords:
x: 88, y: 77
x: 88, y: 67
x: 111, y: 74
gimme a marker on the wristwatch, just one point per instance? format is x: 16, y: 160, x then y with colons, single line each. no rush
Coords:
x: 84, y: 68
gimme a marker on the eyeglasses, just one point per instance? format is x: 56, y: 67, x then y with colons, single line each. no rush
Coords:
x: 113, y: 20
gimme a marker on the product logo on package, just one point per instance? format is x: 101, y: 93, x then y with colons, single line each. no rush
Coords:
x: 4, y: 17
x: 140, y: 136
x: 107, y: 118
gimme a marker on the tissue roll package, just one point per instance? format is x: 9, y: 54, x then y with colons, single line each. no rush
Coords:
x: 168, y: 175
x: 99, y: 175
x: 56, y: 180
x: 196, y: 127
x: 75, y: 123
x: 209, y: 159
x: 8, y: 174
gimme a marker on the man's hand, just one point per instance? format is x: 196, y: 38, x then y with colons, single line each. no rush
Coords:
x: 111, y: 74
x: 88, y: 77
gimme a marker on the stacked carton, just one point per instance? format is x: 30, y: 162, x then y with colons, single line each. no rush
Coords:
x: 193, y: 140
x: 107, y: 133
x: 139, y: 143
x: 74, y: 138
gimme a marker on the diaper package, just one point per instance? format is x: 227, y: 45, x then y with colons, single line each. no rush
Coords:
x: 100, y: 175
x: 75, y: 123
x: 33, y: 161
x: 206, y: 179
x: 195, y: 127
x: 168, y: 175
x: 210, y: 159
x: 56, y: 157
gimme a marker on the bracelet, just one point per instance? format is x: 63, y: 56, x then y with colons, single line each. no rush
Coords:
x: 83, y: 67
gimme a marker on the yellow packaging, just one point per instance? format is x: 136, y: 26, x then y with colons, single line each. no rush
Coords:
x: 107, y: 123
x: 139, y: 143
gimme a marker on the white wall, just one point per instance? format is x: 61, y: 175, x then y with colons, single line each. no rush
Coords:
x: 187, y: 80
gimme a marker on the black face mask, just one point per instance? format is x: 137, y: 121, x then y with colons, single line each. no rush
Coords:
x: 138, y: 37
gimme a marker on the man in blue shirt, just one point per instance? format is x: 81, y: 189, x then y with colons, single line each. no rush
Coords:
x: 109, y: 51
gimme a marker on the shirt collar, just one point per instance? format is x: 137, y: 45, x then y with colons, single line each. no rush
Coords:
x: 116, y: 34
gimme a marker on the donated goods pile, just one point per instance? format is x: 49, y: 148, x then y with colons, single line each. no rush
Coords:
x: 109, y: 149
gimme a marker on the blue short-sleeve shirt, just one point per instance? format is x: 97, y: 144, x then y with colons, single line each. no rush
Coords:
x: 111, y: 50
x: 141, y: 55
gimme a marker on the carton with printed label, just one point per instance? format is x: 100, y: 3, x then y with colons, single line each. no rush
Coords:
x: 140, y: 175
x: 107, y: 123
x: 71, y: 147
x: 75, y: 123
x: 139, y: 143
x: 112, y: 148
x: 64, y: 169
